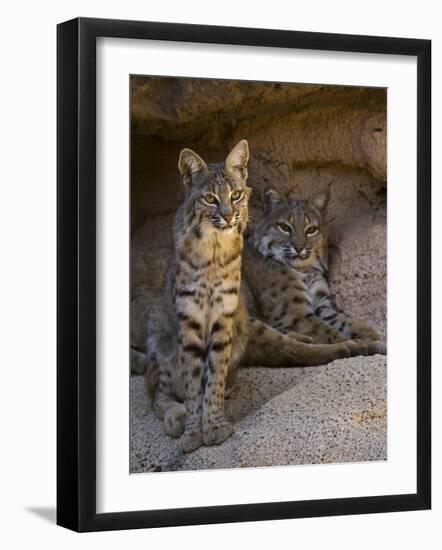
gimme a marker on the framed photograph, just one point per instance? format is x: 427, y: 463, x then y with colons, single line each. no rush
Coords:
x: 243, y: 274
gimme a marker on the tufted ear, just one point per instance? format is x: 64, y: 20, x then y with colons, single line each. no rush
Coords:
x: 320, y: 200
x: 272, y: 199
x: 238, y: 158
x: 190, y: 164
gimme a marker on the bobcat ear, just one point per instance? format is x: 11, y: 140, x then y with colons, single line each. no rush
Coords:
x: 190, y: 164
x: 272, y: 198
x: 320, y: 200
x: 238, y: 158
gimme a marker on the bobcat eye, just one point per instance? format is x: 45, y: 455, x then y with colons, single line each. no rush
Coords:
x: 284, y: 227
x: 209, y: 198
x: 311, y: 231
x: 236, y: 195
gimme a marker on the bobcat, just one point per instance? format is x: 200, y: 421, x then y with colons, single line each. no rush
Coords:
x: 199, y: 329
x: 289, y: 246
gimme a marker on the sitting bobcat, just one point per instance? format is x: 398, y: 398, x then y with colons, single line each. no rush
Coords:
x: 199, y: 329
x: 289, y: 245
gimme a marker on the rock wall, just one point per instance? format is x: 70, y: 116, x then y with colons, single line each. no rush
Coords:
x: 301, y: 138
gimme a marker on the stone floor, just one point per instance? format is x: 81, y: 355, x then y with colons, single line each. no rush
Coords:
x: 328, y: 414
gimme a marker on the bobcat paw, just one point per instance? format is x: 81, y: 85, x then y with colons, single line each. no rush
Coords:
x: 175, y: 419
x: 366, y: 347
x: 376, y: 347
x: 356, y: 347
x: 191, y: 440
x: 365, y: 333
x: 348, y: 348
x: 216, y: 434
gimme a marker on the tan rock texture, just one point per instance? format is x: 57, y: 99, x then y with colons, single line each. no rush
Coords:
x: 295, y: 132
x: 302, y: 137
x: 316, y: 415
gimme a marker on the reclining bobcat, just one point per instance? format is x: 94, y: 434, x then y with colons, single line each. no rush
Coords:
x: 199, y: 329
x: 289, y: 245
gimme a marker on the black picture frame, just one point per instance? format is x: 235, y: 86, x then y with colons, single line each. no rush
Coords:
x: 76, y: 274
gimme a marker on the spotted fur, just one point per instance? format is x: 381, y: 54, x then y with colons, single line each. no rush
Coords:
x: 191, y: 327
x: 199, y: 328
x: 289, y: 245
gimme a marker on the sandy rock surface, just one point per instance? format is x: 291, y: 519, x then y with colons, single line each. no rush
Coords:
x: 316, y: 415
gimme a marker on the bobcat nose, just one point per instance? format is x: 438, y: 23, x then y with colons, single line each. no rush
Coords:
x: 299, y: 248
x: 228, y: 217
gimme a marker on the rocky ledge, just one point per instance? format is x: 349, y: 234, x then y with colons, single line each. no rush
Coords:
x: 282, y: 416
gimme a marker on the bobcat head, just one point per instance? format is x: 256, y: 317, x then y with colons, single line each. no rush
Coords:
x: 216, y: 194
x: 292, y: 231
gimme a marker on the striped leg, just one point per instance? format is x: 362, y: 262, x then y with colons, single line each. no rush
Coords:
x: 160, y: 388
x: 216, y: 428
x: 191, y: 359
x: 349, y: 328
